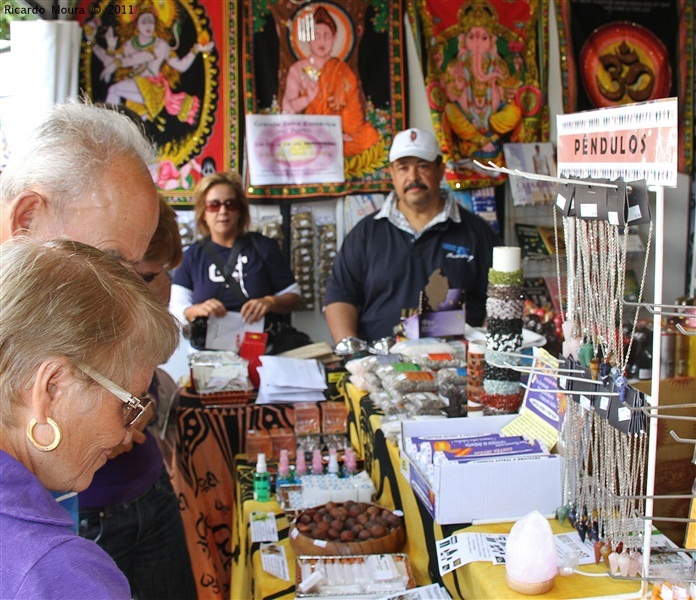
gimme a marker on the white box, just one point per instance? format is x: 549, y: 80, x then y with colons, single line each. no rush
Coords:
x: 494, y: 489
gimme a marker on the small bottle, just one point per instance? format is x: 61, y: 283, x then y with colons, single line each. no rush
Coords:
x: 262, y: 480
x: 317, y: 463
x: 284, y: 476
x: 349, y: 462
x: 300, y: 464
x: 333, y: 467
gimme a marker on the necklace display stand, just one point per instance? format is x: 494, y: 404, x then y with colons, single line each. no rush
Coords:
x: 644, y: 134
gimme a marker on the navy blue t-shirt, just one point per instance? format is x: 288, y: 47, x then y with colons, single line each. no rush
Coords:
x: 261, y: 270
x: 381, y: 269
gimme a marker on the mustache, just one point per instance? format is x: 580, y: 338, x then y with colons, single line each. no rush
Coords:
x: 415, y: 186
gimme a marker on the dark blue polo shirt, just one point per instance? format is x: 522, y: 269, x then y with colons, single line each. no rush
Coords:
x: 382, y: 269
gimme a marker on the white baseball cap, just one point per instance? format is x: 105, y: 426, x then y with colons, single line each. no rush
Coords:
x: 414, y: 142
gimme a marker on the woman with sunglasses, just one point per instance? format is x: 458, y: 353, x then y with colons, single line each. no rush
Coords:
x: 258, y: 284
x: 80, y: 337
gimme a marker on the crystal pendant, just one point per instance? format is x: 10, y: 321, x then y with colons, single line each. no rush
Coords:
x: 635, y: 563
x: 598, y: 552
x: 562, y: 513
x: 624, y: 561
x: 614, y: 563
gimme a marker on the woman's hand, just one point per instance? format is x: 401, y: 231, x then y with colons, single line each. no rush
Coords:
x: 205, y: 309
x: 254, y: 310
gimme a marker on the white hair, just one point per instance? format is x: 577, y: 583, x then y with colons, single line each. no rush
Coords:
x: 69, y: 151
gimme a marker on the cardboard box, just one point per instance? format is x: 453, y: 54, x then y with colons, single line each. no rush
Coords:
x: 496, y: 489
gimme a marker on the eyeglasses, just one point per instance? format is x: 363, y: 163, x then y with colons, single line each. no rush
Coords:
x: 134, y: 407
x: 230, y: 204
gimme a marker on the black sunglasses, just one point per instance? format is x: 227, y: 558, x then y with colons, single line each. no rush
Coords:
x: 230, y: 204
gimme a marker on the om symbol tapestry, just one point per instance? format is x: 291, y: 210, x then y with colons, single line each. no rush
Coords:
x: 620, y: 53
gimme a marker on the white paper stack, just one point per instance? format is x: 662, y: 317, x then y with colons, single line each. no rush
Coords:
x: 290, y: 380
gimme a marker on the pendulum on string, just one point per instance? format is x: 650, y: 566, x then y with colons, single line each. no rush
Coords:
x: 605, y: 369
x: 624, y: 561
x: 620, y: 382
x: 572, y: 516
x: 585, y: 353
x: 614, y: 562
x: 562, y: 513
x: 634, y: 564
x: 605, y: 551
x: 594, y: 368
x: 598, y: 551
x: 582, y: 530
x: 592, y: 531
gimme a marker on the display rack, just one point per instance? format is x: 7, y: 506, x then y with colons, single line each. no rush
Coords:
x: 644, y: 136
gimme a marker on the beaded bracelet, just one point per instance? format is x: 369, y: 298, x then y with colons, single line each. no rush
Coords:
x: 501, y: 388
x: 495, y: 404
x: 504, y: 343
x: 497, y: 308
x: 505, y: 278
x: 498, y: 374
x: 504, y: 326
x: 499, y: 358
x: 505, y: 292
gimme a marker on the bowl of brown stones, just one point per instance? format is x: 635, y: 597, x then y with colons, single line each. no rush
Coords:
x: 340, y: 529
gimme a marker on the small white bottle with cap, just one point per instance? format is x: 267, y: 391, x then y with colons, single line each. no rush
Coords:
x: 262, y: 480
x: 333, y: 468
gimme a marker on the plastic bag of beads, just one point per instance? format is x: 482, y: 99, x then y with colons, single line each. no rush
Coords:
x: 358, y: 366
x: 423, y: 403
x: 387, y: 403
x: 405, y: 382
x: 388, y: 369
x: 452, y: 375
x: 422, y: 346
x: 369, y: 364
x: 439, y: 360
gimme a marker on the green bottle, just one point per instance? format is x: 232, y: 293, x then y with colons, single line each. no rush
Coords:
x: 262, y: 480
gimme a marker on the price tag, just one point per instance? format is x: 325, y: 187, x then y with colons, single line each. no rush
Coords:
x: 624, y: 414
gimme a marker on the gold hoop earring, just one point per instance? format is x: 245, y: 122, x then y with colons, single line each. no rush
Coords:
x: 56, y: 430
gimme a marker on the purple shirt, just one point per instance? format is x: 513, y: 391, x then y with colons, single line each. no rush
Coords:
x: 40, y: 555
x: 122, y: 479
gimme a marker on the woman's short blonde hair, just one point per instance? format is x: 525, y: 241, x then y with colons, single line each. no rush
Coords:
x: 65, y: 299
x: 201, y: 191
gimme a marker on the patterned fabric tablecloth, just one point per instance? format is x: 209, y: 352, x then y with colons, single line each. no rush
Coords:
x: 207, y: 440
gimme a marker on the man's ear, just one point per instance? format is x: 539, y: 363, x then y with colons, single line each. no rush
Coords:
x: 23, y: 210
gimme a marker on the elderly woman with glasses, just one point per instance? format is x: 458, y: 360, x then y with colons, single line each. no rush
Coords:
x: 231, y: 268
x: 80, y: 337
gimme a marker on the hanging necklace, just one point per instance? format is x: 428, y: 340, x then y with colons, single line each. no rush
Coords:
x: 138, y: 46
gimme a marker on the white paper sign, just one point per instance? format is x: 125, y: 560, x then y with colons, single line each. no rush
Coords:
x: 227, y: 333
x: 263, y: 527
x: 633, y: 141
x: 294, y: 149
x: 274, y: 561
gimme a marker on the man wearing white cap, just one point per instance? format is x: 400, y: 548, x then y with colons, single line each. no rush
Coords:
x: 387, y: 258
